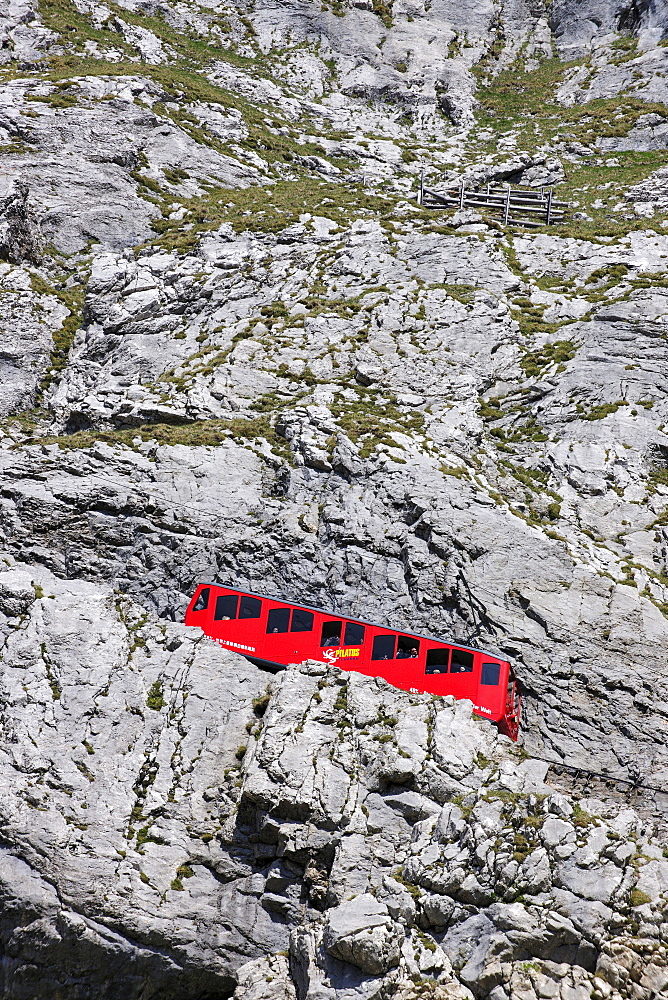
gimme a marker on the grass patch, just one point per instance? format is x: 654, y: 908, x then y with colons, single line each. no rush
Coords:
x: 201, y: 433
x: 261, y: 704
x: 658, y: 476
x: 525, y: 103
x: 557, y: 353
x: 183, y: 871
x: 580, y: 818
x: 532, y: 479
x: 145, y: 837
x: 383, y: 11
x: 456, y: 471
x: 57, y: 99
x: 75, y: 29
x: 529, y: 318
x: 517, y: 99
x: 369, y: 422
x: 63, y: 338
x: 600, y: 411
x: 267, y: 209
x: 606, y: 277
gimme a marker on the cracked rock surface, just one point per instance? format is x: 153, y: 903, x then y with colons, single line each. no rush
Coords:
x: 234, y: 346
x: 180, y: 825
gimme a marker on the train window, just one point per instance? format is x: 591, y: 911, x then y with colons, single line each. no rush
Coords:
x: 202, y: 602
x: 226, y: 607
x: 354, y: 635
x: 462, y: 662
x: 408, y: 649
x: 331, y: 634
x: 250, y: 607
x: 302, y: 621
x: 278, y: 620
x: 383, y: 647
x: 437, y: 661
x: 490, y: 673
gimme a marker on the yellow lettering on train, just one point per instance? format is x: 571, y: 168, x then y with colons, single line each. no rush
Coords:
x: 346, y: 652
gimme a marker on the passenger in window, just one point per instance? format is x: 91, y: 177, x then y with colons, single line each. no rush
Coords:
x: 406, y: 653
x: 332, y: 640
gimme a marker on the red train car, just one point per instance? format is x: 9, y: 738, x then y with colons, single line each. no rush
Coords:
x: 273, y: 633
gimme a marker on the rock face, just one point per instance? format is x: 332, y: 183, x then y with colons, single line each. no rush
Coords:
x: 116, y: 734
x: 172, y: 821
x: 578, y: 25
x: 20, y: 242
x: 233, y: 346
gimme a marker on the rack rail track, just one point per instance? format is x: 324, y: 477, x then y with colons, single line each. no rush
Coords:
x: 610, y: 779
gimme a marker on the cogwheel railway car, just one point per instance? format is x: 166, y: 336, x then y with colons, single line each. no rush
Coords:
x: 273, y: 633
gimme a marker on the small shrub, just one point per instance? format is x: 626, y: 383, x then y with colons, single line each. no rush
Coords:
x: 580, y: 817
x: 155, y: 699
x: 558, y: 352
x: 383, y: 11
x: 260, y: 704
x: 600, y: 411
x: 456, y: 471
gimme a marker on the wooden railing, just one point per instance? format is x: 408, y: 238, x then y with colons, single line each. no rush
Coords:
x: 513, y: 206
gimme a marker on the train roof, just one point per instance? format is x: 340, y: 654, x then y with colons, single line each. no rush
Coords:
x: 333, y: 614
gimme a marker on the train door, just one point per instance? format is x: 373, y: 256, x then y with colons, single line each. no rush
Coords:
x: 450, y: 670
x: 235, y: 618
x: 342, y: 643
x: 397, y: 659
x: 288, y: 634
x: 199, y: 611
x: 492, y: 687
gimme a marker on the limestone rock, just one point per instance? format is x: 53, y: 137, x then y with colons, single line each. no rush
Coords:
x: 361, y: 932
x: 115, y: 731
x: 241, y: 350
x: 20, y: 242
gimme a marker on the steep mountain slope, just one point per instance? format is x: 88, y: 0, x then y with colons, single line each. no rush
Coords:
x: 172, y: 825
x: 235, y: 346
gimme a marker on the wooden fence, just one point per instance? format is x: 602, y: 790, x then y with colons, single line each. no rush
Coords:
x: 514, y: 206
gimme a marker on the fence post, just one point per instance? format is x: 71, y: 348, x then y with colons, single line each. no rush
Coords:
x: 507, y: 211
x: 548, y: 210
x: 421, y: 192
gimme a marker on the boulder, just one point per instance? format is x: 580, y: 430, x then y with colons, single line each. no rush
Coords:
x: 361, y: 932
